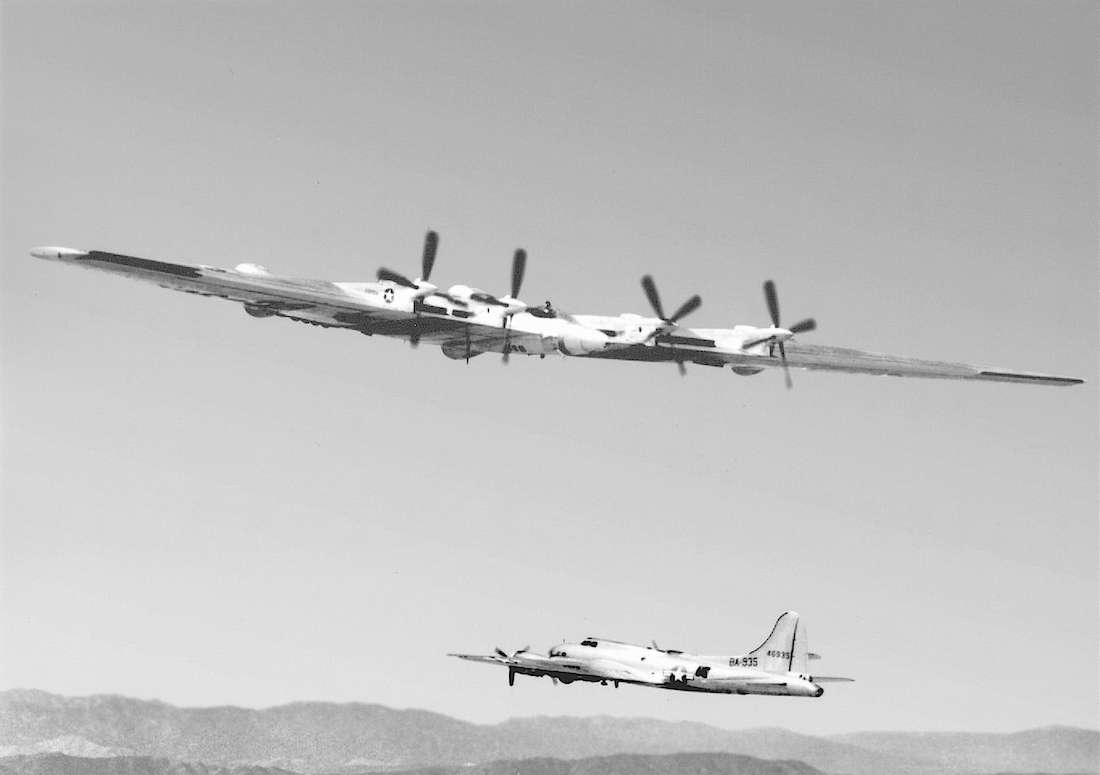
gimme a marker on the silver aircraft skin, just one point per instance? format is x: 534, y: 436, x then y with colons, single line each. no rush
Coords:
x: 465, y: 322
x: 778, y: 667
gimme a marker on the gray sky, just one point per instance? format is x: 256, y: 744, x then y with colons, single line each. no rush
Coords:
x: 206, y: 508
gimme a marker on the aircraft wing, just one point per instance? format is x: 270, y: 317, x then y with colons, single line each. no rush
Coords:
x: 818, y: 357
x: 363, y: 307
x: 566, y: 670
x: 528, y: 663
x: 696, y: 349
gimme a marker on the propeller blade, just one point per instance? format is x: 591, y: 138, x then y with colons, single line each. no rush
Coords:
x: 431, y: 244
x: 754, y: 342
x: 651, y: 294
x: 519, y: 266
x: 687, y: 308
x: 395, y: 277
x: 786, y: 369
x: 773, y: 302
x: 682, y: 367
x: 506, y: 655
x: 809, y: 324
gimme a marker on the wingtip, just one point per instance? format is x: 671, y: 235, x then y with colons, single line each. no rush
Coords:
x: 56, y: 253
x: 1003, y: 375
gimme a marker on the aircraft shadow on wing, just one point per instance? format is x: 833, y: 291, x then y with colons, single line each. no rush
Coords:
x: 466, y: 322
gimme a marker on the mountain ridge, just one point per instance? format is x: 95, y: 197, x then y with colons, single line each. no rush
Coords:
x: 316, y: 738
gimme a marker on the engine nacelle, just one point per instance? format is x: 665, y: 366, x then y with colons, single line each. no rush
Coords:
x: 252, y: 269
x: 579, y: 340
x: 747, y: 371
x: 259, y: 310
x: 459, y: 351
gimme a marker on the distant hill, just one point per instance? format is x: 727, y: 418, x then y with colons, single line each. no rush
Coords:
x: 61, y: 764
x: 321, y: 738
x: 622, y: 764
x: 1051, y: 749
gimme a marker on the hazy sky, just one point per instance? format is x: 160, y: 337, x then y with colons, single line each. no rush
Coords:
x: 205, y: 508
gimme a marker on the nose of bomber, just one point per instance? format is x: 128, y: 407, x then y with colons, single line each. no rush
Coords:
x: 56, y: 253
x: 820, y: 691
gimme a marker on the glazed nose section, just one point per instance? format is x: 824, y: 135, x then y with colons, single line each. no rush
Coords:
x: 56, y: 254
x: 820, y: 691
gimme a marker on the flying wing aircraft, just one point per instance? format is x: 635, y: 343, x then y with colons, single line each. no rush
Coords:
x: 777, y: 667
x: 465, y: 321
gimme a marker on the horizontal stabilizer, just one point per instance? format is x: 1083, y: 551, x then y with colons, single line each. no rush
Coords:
x: 819, y: 679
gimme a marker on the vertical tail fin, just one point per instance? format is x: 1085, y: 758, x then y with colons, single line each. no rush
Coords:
x: 785, y: 649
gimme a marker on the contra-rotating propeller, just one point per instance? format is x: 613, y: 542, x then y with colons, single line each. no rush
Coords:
x: 506, y: 655
x: 512, y: 670
x: 421, y: 284
x: 427, y: 261
x: 519, y: 267
x: 685, y: 309
x: 777, y: 334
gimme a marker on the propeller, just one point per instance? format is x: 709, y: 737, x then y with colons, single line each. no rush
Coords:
x: 778, y: 334
x: 421, y: 284
x: 427, y: 261
x: 685, y: 309
x: 506, y: 655
x: 519, y: 267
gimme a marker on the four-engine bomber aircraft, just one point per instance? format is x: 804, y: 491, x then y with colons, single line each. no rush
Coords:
x: 777, y: 667
x: 465, y: 322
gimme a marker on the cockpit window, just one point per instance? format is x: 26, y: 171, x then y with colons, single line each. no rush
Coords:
x: 545, y: 311
x: 589, y: 643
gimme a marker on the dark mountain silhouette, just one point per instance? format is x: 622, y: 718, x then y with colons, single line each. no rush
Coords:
x: 316, y: 738
x: 621, y: 764
x: 1050, y: 749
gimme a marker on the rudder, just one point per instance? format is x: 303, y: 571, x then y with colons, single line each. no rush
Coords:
x: 785, y: 649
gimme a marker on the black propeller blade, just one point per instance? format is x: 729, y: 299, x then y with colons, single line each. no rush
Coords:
x: 651, y: 294
x: 686, y: 308
x: 395, y: 277
x: 431, y: 244
x: 506, y: 655
x: 773, y: 302
x: 427, y: 261
x: 519, y: 266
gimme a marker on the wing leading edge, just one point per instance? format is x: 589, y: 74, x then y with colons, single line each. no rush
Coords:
x: 704, y: 351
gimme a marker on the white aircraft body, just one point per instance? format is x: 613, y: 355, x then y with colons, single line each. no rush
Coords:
x: 778, y: 667
x: 465, y: 322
